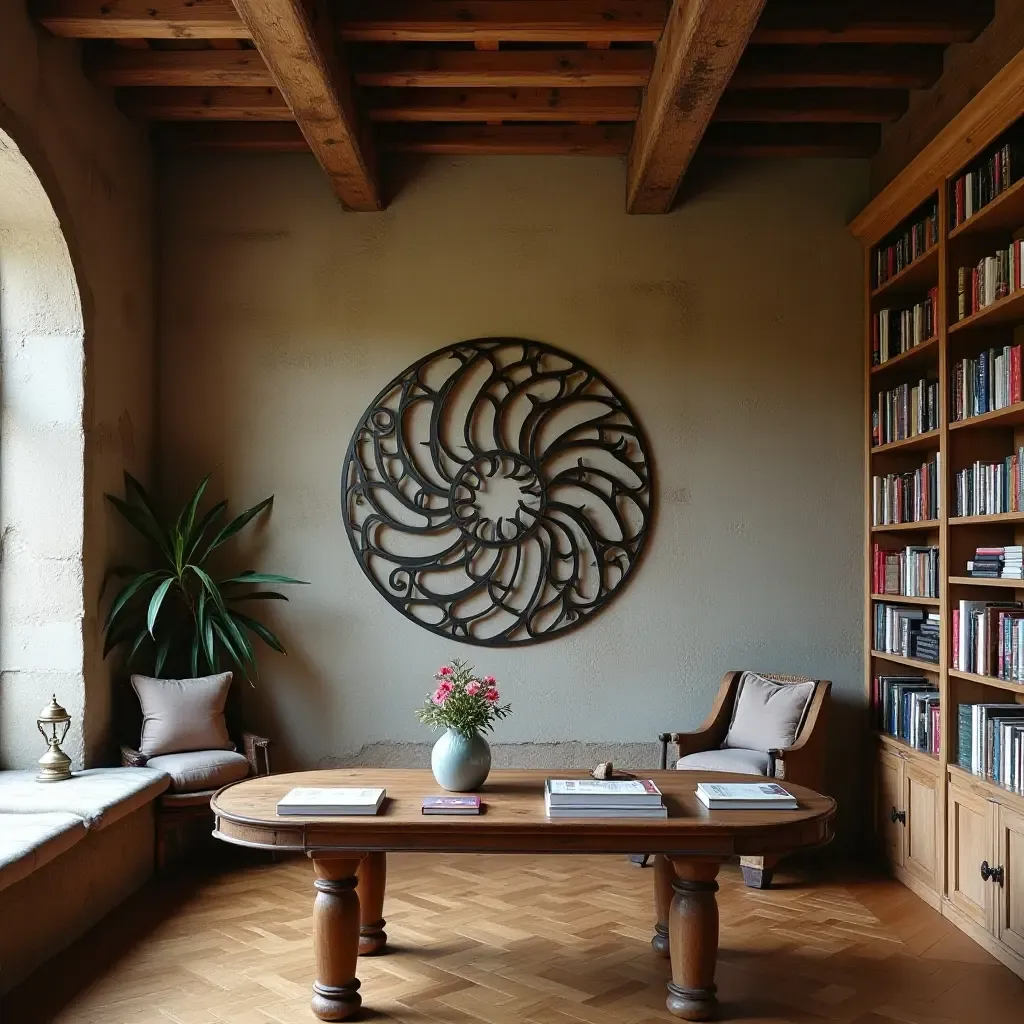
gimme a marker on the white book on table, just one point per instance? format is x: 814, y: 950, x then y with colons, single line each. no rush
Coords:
x: 742, y: 796
x: 602, y: 793
x: 331, y: 800
x: 604, y: 811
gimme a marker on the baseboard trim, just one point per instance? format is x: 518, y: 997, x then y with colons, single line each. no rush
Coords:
x: 920, y: 889
x: 984, y: 938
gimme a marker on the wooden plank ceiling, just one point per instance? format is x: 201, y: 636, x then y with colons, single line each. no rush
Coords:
x: 655, y: 80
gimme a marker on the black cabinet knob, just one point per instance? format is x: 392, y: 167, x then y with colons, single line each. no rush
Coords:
x: 900, y: 816
x: 996, y: 874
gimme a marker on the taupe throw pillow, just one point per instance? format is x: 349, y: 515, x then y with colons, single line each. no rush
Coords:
x: 183, y: 714
x: 767, y: 715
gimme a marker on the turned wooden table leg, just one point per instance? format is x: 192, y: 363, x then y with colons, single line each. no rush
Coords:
x: 336, y: 938
x: 693, y: 940
x: 663, y: 893
x: 373, y: 872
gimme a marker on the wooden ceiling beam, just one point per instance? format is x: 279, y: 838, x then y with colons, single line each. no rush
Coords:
x: 506, y: 140
x: 502, y: 104
x: 297, y: 43
x: 467, y: 69
x: 745, y: 141
x: 838, y: 67
x: 217, y: 104
x: 940, y: 22
x: 500, y: 21
x: 230, y: 137
x: 140, y: 19
x: 178, y: 68
x: 697, y: 56
x: 830, y: 106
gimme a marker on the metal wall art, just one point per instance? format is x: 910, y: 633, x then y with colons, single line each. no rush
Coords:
x: 497, y: 492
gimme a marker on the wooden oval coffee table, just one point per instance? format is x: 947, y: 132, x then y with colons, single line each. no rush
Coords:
x: 349, y: 858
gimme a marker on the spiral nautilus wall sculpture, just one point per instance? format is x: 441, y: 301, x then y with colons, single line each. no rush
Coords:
x: 497, y: 492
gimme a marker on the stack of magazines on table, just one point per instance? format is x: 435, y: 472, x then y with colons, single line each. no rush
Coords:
x: 610, y: 798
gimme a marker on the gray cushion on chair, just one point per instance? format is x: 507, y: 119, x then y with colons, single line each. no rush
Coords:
x: 201, y: 769
x: 767, y: 715
x: 183, y: 714
x: 735, y: 759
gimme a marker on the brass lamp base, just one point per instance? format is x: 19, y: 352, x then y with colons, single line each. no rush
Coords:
x: 54, y: 766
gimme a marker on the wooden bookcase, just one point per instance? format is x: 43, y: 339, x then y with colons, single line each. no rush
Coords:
x: 936, y: 823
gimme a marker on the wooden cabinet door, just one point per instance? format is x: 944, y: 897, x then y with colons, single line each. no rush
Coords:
x: 889, y: 798
x: 970, y: 843
x: 1009, y: 897
x: 921, y: 831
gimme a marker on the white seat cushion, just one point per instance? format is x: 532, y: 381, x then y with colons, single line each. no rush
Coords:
x: 28, y: 841
x: 733, y: 759
x: 201, y: 769
x: 767, y: 715
x: 99, y: 796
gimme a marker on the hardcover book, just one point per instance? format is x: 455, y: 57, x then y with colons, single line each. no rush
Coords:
x: 451, y: 805
x: 717, y: 796
x: 330, y: 800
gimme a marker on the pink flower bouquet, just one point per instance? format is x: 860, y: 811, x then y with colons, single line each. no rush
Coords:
x: 463, y: 702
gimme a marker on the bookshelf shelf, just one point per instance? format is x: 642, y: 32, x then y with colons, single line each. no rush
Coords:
x: 1011, y: 416
x: 999, y: 684
x: 999, y: 517
x: 929, y: 439
x: 917, y: 276
x: 990, y: 786
x: 898, y: 659
x: 904, y: 599
x: 1005, y: 212
x: 905, y: 748
x: 1002, y: 311
x: 926, y: 352
x: 973, y: 581
x: 921, y: 524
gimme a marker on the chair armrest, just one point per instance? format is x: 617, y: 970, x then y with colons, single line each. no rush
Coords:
x: 257, y: 753
x: 132, y: 758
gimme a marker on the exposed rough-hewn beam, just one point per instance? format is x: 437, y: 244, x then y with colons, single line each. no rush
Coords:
x: 501, y: 140
x: 298, y: 47
x: 791, y: 140
x: 703, y: 42
x: 141, y: 19
x: 501, y: 21
x: 468, y: 69
x: 841, y: 66
x: 231, y: 137
x: 503, y: 104
x: 828, y: 106
x: 217, y: 104
x: 178, y: 68
x: 873, y: 21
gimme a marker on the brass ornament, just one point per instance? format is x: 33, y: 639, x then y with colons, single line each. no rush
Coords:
x: 54, y: 765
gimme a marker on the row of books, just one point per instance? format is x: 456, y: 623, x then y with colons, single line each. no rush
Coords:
x: 907, y: 707
x: 992, y: 279
x: 895, y: 331
x: 906, y: 497
x: 989, y: 382
x: 1005, y: 563
x: 912, y: 572
x: 988, y: 639
x: 984, y: 181
x: 989, y: 488
x: 901, y: 249
x: 908, y: 632
x: 990, y: 742
x: 905, y: 411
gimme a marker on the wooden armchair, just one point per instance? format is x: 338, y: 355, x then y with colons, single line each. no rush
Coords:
x: 183, y: 811
x: 800, y: 762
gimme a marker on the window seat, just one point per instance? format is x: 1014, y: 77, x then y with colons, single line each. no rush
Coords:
x: 69, y: 853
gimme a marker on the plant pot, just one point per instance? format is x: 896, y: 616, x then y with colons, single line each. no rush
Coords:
x: 460, y: 765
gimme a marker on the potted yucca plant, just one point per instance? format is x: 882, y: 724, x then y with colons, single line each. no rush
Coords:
x: 176, y: 616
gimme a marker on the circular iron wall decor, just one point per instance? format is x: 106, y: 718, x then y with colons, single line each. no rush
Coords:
x: 497, y: 492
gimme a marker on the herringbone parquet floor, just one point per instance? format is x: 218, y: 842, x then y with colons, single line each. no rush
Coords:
x: 547, y: 940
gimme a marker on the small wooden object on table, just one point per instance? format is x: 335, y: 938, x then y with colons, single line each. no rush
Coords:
x: 348, y: 855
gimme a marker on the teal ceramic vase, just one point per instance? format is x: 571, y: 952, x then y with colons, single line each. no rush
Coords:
x: 460, y: 765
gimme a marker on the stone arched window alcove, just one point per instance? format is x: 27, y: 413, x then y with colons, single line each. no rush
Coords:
x: 42, y: 458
